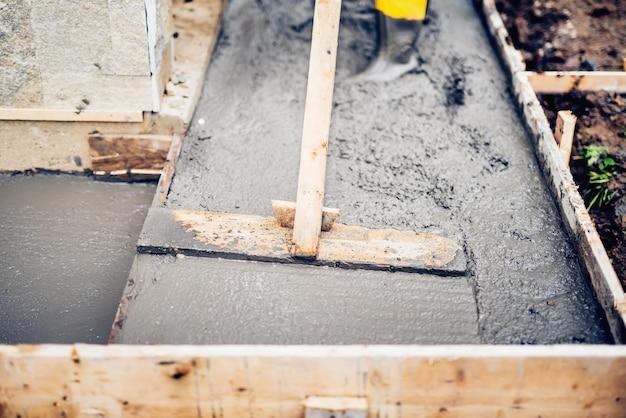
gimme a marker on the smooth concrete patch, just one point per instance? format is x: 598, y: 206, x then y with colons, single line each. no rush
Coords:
x: 66, y: 247
x: 185, y: 300
x: 440, y: 150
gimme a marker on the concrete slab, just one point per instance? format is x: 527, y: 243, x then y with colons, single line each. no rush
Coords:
x: 441, y: 149
x: 185, y: 300
x: 66, y: 247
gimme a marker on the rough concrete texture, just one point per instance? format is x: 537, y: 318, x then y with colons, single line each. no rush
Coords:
x: 190, y: 299
x: 77, y: 37
x: 440, y: 149
x: 66, y: 247
x: 20, y: 79
x: 65, y: 54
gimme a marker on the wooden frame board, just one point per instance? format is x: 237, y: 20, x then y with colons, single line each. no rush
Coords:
x: 555, y: 82
x: 593, y: 255
x: 272, y: 381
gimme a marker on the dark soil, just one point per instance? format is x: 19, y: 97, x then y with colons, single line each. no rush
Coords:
x: 601, y: 121
x: 567, y: 34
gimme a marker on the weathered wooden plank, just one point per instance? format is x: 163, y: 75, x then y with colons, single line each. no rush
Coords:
x: 270, y: 381
x: 564, y: 133
x: 114, y: 153
x: 564, y: 81
x: 167, y: 174
x: 316, y: 127
x: 335, y: 407
x: 252, y: 237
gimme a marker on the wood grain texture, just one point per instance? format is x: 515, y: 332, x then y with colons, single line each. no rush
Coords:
x: 564, y: 133
x: 252, y: 237
x: 565, y: 81
x: 167, y: 174
x: 335, y: 407
x: 270, y: 381
x: 114, y: 153
x: 315, y: 129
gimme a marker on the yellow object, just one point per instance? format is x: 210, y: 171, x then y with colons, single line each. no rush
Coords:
x: 403, y: 9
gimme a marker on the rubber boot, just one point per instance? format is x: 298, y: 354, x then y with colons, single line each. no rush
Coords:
x: 395, y: 55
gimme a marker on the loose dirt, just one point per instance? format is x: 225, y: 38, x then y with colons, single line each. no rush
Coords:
x: 601, y: 122
x: 567, y: 34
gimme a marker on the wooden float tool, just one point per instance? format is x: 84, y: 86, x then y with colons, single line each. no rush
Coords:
x: 310, y: 217
x: 304, y: 231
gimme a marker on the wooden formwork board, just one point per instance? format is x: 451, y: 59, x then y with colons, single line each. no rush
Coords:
x: 594, y: 258
x: 273, y: 381
x: 558, y: 82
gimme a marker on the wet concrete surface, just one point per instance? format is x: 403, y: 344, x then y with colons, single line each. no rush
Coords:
x: 441, y: 149
x: 66, y: 246
x: 179, y: 299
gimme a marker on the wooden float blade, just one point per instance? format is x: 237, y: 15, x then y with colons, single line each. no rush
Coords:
x: 252, y: 237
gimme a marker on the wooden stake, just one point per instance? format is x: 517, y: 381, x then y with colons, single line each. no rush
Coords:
x: 317, y: 112
x: 564, y: 133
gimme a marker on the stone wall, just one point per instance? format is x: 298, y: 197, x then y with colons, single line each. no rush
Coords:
x: 79, y: 54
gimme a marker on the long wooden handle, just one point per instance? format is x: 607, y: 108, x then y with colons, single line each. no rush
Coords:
x: 317, y: 111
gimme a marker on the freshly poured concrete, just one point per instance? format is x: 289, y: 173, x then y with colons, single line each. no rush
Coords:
x: 441, y: 149
x: 66, y: 247
x: 184, y: 299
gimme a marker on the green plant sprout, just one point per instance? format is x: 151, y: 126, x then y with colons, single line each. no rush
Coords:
x: 593, y: 152
x: 601, y: 171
